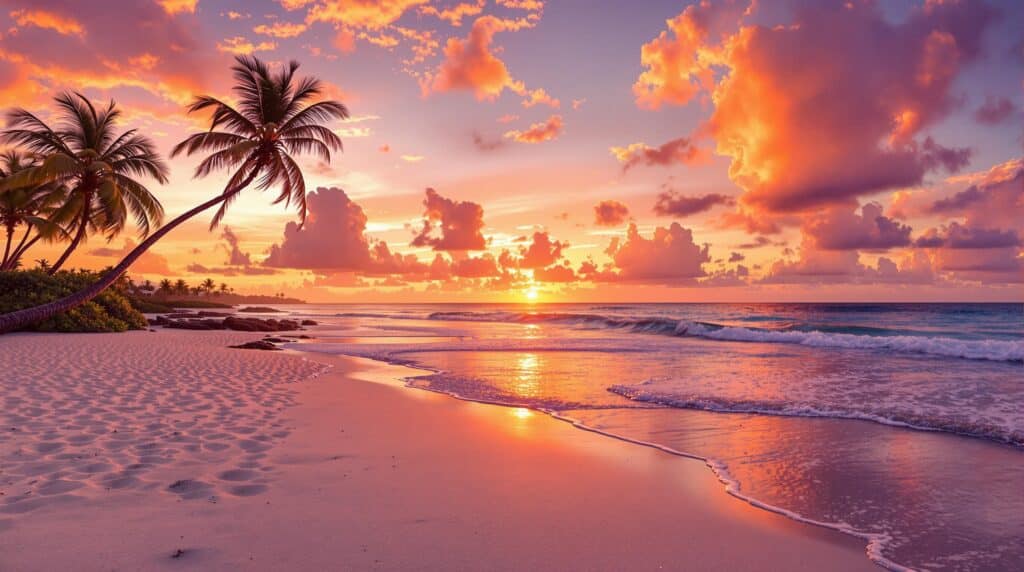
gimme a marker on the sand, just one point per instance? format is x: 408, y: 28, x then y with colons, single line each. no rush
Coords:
x: 167, y: 450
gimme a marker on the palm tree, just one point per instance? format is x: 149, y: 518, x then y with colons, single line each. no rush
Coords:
x: 165, y: 286
x: 181, y: 287
x: 209, y: 285
x: 275, y: 119
x: 223, y: 288
x: 99, y: 167
x: 29, y: 206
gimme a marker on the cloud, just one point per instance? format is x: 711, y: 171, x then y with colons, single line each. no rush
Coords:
x: 542, y: 251
x: 540, y: 97
x: 149, y: 263
x: 957, y: 236
x: 333, y: 240
x: 280, y: 29
x: 807, y: 128
x: 994, y: 198
x: 736, y: 257
x: 196, y: 268
x: 994, y: 110
x: 357, y: 14
x: 538, y: 132
x: 173, y: 7
x: 65, y: 25
x: 241, y: 46
x: 460, y: 224
x: 841, y: 229
x: 558, y: 273
x: 674, y: 152
x: 481, y: 267
x: 456, y: 13
x: 471, y: 64
x: 236, y: 257
x: 669, y: 256
x: 844, y: 267
x: 671, y: 203
x: 486, y: 144
x: 610, y: 213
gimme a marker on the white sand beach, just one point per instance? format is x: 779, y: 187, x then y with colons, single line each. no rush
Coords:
x: 167, y: 450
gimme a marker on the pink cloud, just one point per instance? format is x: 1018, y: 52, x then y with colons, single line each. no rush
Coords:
x: 679, y: 151
x: 538, y: 132
x: 460, y: 224
x: 669, y: 256
x: 673, y: 204
x: 610, y: 213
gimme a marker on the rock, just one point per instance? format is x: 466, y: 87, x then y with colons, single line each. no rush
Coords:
x: 259, y: 309
x: 257, y: 345
x: 277, y: 340
x: 308, y: 322
x: 208, y: 314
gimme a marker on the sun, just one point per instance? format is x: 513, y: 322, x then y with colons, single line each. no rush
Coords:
x: 531, y: 294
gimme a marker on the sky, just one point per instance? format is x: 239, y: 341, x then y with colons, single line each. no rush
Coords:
x: 579, y: 150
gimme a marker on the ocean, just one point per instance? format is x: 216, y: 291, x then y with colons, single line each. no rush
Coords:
x: 902, y: 424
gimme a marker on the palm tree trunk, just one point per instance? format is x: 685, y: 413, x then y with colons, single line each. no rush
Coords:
x: 7, y: 246
x: 83, y: 227
x: 21, y: 318
x: 21, y: 249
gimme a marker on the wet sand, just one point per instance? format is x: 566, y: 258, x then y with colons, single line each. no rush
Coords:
x: 228, y: 459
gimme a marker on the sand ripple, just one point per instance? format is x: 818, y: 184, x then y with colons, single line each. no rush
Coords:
x: 88, y: 414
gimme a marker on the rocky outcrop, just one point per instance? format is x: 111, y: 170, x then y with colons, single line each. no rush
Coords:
x: 196, y: 322
x: 257, y: 345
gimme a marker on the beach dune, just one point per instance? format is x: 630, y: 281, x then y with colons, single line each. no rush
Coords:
x: 167, y: 450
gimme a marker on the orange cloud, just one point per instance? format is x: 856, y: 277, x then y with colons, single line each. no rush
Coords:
x: 610, y: 213
x: 173, y: 7
x: 456, y: 13
x: 808, y: 128
x: 47, y: 20
x: 280, y: 29
x: 460, y: 224
x: 242, y: 46
x: 470, y: 63
x: 540, y: 96
x: 357, y: 14
x: 538, y: 132
x: 676, y: 151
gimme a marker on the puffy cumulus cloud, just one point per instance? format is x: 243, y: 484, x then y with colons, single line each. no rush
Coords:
x: 806, y: 128
x: 561, y: 273
x: 840, y: 229
x: 450, y: 225
x: 150, y: 262
x: 994, y: 198
x: 57, y: 45
x: 674, y: 152
x: 678, y: 63
x: 538, y: 132
x: 739, y: 276
x: 669, y: 256
x: 541, y: 252
x: 484, y: 266
x: 736, y: 257
x: 962, y: 237
x: 816, y: 266
x: 610, y: 213
x: 671, y: 203
x: 334, y: 240
x: 236, y: 257
x: 994, y: 110
x: 472, y: 64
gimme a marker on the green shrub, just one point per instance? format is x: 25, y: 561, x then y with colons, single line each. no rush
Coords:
x: 109, y: 312
x: 150, y: 307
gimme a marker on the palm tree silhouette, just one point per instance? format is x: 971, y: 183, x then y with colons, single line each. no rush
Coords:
x: 275, y: 119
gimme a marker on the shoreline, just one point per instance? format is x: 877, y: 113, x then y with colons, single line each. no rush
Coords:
x: 373, y: 475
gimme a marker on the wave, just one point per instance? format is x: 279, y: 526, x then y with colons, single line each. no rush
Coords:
x: 970, y: 427
x: 992, y: 350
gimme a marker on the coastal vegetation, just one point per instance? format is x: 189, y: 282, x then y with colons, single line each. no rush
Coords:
x: 80, y: 177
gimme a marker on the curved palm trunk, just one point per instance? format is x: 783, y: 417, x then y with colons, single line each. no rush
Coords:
x: 83, y: 227
x: 7, y: 245
x: 21, y: 249
x: 21, y: 318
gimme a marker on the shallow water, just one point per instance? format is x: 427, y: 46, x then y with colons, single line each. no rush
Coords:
x: 817, y: 410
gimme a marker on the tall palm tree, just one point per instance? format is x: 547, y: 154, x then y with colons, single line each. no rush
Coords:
x: 98, y: 165
x: 209, y: 285
x: 29, y: 206
x: 181, y: 287
x: 165, y: 286
x: 276, y: 118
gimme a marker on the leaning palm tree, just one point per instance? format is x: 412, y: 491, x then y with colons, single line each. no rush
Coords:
x: 28, y: 206
x: 99, y: 167
x: 276, y: 117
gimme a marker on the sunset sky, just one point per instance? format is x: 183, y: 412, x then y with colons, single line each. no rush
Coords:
x: 578, y: 150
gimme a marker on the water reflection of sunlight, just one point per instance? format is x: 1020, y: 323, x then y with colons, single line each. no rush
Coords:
x: 526, y: 380
x: 521, y: 413
x: 531, y: 332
